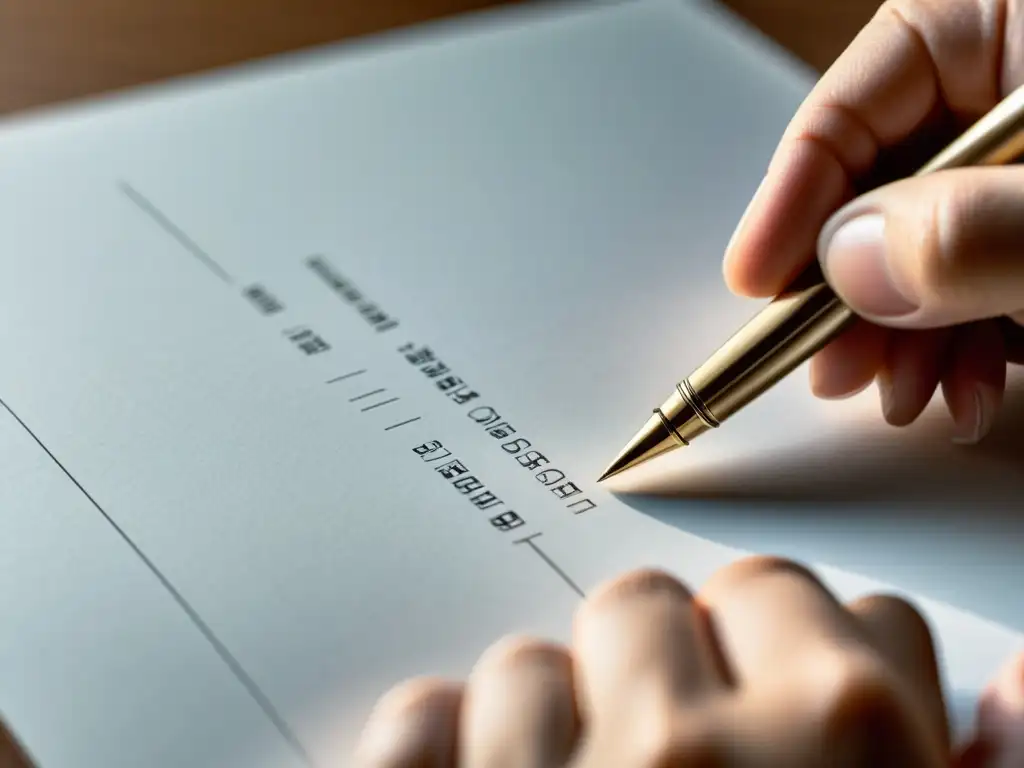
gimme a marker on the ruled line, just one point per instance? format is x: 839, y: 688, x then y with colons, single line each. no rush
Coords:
x: 380, y: 404
x: 551, y: 564
x: 222, y: 651
x: 347, y: 376
x: 402, y: 423
x: 159, y: 218
x: 368, y: 394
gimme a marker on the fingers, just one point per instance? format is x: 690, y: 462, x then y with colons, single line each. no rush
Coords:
x: 642, y: 648
x: 849, y: 364
x: 970, y: 360
x: 519, y: 707
x: 772, y: 614
x: 976, y: 378
x: 838, y: 710
x: 913, y: 58
x: 647, y: 667
x: 901, y: 635
x: 796, y: 677
x: 769, y: 612
x: 413, y: 726
x: 931, y: 251
x: 923, y: 253
x: 846, y: 686
x: 914, y: 363
x: 774, y: 240
x: 783, y: 675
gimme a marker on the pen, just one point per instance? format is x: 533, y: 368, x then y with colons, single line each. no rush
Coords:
x: 797, y: 323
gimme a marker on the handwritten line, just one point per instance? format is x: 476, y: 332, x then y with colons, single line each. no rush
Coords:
x: 530, y: 538
x: 346, y: 376
x: 368, y: 394
x: 551, y: 564
x: 402, y: 423
x: 378, y: 405
x: 219, y: 648
x: 172, y: 229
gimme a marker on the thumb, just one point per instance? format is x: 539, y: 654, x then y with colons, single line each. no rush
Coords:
x: 931, y: 251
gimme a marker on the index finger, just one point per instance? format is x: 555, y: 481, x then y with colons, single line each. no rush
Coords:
x: 914, y: 60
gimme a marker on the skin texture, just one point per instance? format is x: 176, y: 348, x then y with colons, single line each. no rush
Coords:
x: 763, y: 667
x: 951, y: 243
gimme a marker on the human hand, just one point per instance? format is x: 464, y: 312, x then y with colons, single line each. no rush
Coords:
x: 763, y: 667
x: 928, y: 262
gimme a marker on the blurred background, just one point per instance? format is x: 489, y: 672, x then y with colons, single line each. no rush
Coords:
x: 55, y: 50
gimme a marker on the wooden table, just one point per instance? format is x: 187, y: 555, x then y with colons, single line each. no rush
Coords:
x: 54, y: 50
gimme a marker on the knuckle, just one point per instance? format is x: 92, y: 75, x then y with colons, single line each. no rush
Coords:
x: 937, y: 242
x: 894, y: 611
x: 517, y: 651
x: 949, y: 242
x: 891, y: 605
x: 415, y: 696
x: 754, y: 567
x: 639, y: 583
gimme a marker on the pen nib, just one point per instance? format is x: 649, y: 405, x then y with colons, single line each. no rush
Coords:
x: 653, y: 440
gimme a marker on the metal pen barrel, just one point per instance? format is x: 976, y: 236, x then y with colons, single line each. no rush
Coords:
x: 808, y: 315
x: 797, y: 323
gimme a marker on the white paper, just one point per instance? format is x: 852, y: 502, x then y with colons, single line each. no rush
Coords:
x: 543, y: 202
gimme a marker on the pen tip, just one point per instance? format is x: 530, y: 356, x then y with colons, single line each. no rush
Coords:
x: 622, y: 462
x: 653, y: 440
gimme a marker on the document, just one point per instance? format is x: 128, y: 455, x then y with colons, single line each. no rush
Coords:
x: 308, y: 370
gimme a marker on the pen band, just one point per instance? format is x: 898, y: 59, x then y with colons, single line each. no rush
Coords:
x: 670, y: 427
x: 690, y: 396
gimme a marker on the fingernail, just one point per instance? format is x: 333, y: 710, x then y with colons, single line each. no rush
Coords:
x: 853, y: 257
x: 974, y: 423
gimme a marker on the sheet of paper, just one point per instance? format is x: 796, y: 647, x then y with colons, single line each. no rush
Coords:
x: 309, y: 371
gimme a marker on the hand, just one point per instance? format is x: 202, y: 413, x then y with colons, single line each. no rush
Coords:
x: 764, y: 667
x: 926, y: 262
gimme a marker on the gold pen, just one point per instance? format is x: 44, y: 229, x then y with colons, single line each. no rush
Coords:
x: 798, y: 322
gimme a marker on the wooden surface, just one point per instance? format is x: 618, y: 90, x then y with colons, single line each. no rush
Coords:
x: 53, y: 50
